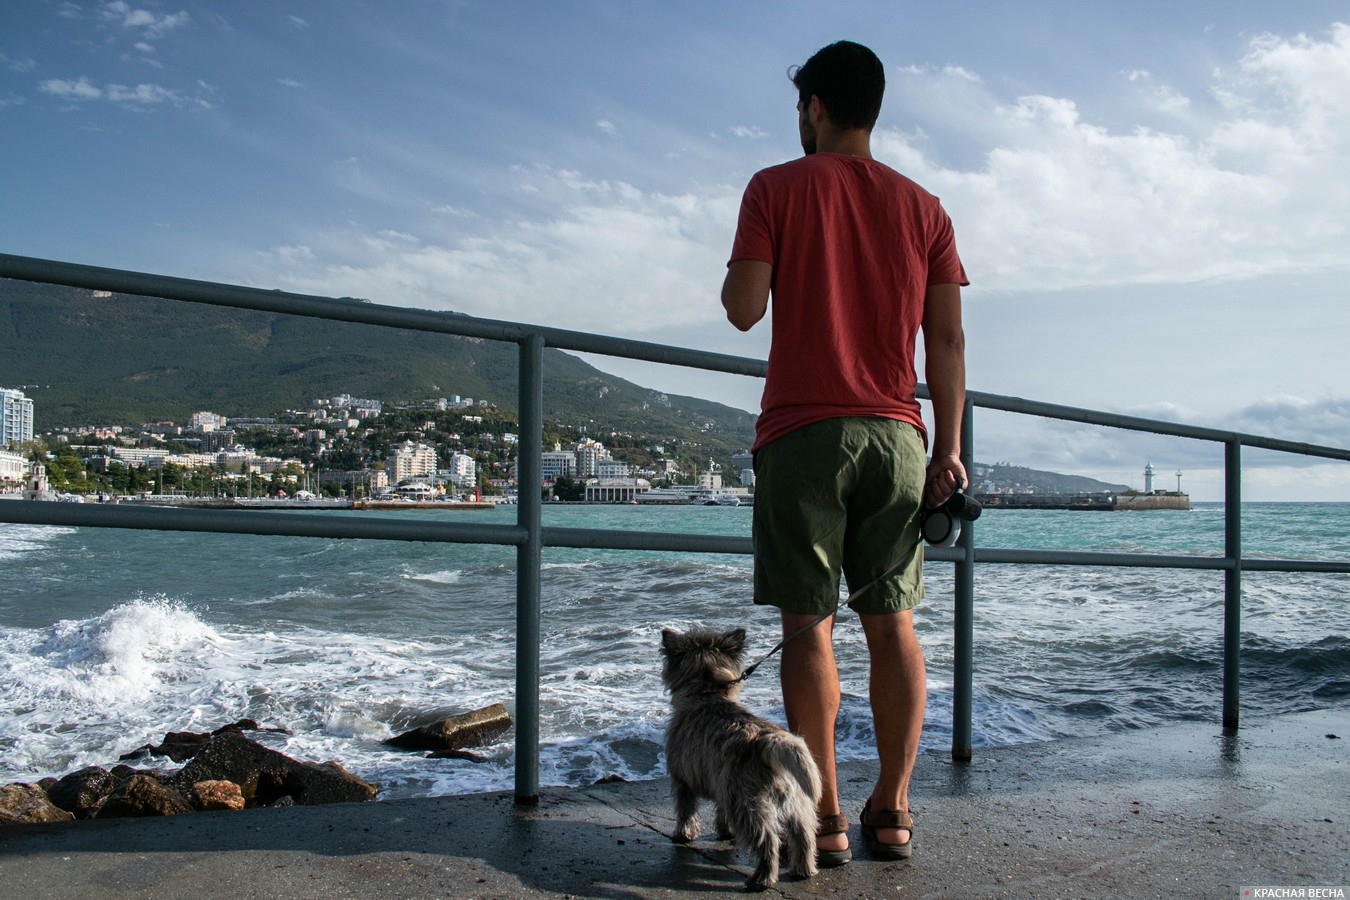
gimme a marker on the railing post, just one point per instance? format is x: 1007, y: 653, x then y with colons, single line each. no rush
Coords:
x: 963, y: 620
x: 529, y: 557
x: 1232, y: 594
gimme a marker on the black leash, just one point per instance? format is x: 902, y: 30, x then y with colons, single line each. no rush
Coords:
x: 848, y: 601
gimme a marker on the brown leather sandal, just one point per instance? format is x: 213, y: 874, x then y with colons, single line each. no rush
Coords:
x: 827, y: 825
x: 886, y: 818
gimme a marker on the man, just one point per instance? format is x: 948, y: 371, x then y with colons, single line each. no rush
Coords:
x: 858, y: 259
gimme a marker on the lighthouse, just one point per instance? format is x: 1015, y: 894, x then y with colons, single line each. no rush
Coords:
x: 1148, y: 478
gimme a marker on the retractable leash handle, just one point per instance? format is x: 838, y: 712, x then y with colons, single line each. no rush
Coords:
x: 941, y: 525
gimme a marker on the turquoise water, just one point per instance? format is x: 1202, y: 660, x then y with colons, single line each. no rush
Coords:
x: 110, y: 638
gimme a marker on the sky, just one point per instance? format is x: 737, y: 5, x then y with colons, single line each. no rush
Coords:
x: 1151, y: 199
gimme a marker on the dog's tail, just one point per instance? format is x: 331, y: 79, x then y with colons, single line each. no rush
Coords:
x: 787, y: 753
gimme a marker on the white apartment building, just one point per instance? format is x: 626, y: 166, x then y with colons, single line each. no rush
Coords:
x: 411, y: 461
x: 16, y: 417
x: 192, y: 461
x: 13, y: 469
x: 141, y: 456
x: 206, y: 421
x: 590, y: 453
x: 613, y: 470
x: 463, y: 470
x: 555, y: 463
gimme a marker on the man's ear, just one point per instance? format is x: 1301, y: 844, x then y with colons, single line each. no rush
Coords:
x: 815, y: 110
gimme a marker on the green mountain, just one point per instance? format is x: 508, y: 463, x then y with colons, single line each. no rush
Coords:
x: 1007, y: 477
x: 90, y: 358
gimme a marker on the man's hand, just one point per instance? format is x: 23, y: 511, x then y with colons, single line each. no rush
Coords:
x: 945, y: 477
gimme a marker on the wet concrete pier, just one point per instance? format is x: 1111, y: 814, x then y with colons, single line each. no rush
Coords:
x: 1182, y: 811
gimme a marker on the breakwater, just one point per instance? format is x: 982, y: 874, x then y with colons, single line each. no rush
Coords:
x: 1096, y: 501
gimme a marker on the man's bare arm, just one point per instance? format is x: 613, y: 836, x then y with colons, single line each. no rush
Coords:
x: 944, y: 345
x: 745, y: 292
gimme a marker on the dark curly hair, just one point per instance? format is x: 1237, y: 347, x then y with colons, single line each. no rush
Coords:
x: 848, y: 78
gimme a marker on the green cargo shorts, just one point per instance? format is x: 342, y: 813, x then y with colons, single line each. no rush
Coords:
x: 839, y: 495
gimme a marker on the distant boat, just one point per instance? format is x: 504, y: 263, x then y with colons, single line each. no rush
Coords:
x: 663, y: 496
x: 714, y: 498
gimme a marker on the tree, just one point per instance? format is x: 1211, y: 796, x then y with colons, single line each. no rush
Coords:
x: 565, y: 487
x: 34, y: 450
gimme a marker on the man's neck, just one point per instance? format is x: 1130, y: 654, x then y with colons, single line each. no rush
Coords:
x: 850, y: 142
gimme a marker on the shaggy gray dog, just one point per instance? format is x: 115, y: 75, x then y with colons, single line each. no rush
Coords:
x: 761, y: 777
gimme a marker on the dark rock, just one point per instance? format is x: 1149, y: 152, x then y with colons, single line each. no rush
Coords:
x: 122, y: 773
x: 264, y: 775
x: 83, y: 791
x: 22, y: 804
x: 250, y: 725
x: 142, y: 795
x: 472, y: 729
x: 458, y: 754
x: 282, y: 802
x: 180, y: 746
x: 611, y: 779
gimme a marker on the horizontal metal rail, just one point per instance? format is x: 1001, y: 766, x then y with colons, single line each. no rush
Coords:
x: 374, y: 527
x: 528, y: 536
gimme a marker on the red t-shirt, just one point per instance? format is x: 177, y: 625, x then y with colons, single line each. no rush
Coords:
x: 854, y: 246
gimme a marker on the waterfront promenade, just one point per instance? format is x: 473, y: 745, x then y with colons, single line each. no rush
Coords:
x: 1181, y: 811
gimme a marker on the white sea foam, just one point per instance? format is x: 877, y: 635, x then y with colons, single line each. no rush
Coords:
x: 17, y: 540
x: 449, y: 576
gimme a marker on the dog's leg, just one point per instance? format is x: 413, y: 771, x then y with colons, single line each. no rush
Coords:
x: 686, y: 811
x: 724, y: 831
x: 800, y: 846
x: 763, y: 841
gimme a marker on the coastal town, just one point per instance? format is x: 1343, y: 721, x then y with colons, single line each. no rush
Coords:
x: 343, y: 450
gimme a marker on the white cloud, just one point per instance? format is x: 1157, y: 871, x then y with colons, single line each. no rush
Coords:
x: 150, y: 24
x: 22, y: 64
x: 613, y: 260
x: 142, y: 95
x: 752, y: 132
x: 606, y: 126
x: 289, y: 82
x: 1059, y: 201
x: 80, y: 89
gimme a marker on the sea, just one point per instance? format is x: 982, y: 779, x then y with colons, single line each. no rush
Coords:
x: 110, y: 638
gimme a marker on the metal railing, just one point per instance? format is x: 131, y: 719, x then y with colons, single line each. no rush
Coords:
x: 530, y: 537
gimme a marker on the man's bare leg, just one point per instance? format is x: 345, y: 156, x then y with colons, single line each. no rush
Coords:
x: 810, y: 681
x: 897, y: 690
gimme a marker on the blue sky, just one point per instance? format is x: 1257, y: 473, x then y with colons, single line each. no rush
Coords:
x: 1151, y: 199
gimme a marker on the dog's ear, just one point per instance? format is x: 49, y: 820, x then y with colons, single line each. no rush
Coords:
x: 669, y: 641
x: 733, y: 642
